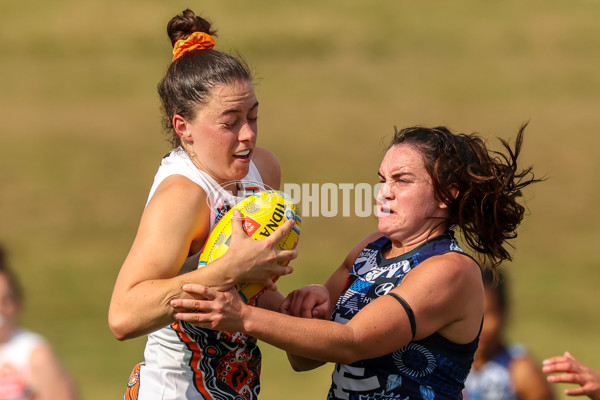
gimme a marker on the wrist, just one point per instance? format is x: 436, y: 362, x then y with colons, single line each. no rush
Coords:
x: 216, y: 275
x: 248, y: 319
x: 232, y: 270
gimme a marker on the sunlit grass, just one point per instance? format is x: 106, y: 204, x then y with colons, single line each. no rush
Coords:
x: 81, y: 140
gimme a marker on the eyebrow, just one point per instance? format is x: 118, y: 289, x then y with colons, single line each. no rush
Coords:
x: 396, y: 174
x: 236, y: 110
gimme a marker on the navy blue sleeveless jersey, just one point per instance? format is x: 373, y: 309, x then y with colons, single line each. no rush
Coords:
x: 429, y: 369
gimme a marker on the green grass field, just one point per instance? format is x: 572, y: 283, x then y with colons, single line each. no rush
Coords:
x: 81, y: 140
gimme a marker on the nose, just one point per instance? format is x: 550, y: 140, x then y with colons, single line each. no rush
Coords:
x: 385, y: 192
x: 248, y: 132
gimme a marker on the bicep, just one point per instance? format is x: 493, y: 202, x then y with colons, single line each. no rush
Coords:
x: 174, y: 220
x: 384, y: 325
x: 445, y: 294
x: 380, y: 328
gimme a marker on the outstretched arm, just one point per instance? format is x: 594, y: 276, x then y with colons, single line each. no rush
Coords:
x: 574, y: 372
x: 316, y: 301
x: 454, y: 309
x: 311, y: 338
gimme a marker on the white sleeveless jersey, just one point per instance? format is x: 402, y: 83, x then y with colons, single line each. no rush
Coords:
x: 15, y: 372
x: 186, y: 362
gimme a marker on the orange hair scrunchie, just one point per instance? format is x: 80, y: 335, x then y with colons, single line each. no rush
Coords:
x: 196, y: 41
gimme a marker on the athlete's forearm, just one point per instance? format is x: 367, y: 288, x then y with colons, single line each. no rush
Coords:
x: 145, y: 307
x: 299, y: 363
x: 315, y: 339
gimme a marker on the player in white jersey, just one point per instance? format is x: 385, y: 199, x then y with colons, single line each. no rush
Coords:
x: 211, y: 111
x: 29, y: 369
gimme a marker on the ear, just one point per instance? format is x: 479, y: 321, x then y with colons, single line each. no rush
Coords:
x: 454, y: 192
x: 181, y: 127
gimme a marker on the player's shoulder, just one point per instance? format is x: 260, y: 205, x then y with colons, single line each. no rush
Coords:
x: 452, y: 270
x: 268, y: 166
x: 359, y: 247
x: 180, y: 189
x: 262, y: 155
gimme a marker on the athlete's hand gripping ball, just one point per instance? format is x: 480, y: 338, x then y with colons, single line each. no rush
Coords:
x: 262, y: 215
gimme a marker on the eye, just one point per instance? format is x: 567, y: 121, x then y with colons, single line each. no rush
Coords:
x: 229, y: 124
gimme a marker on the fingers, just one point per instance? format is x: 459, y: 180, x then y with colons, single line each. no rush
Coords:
x: 557, y: 365
x: 320, y: 311
x: 203, y: 320
x: 191, y: 304
x: 283, y: 230
x: 283, y: 257
x: 269, y: 284
x: 305, y: 303
x: 576, y: 391
x: 199, y: 293
x: 237, y: 223
x: 281, y: 270
x: 302, y: 306
x: 564, y: 378
x: 285, y: 306
x: 199, y: 290
x: 565, y: 363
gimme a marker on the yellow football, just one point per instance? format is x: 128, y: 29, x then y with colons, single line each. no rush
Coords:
x: 263, y: 213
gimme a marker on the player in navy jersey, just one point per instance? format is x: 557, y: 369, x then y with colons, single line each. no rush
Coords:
x: 406, y: 305
x: 502, y: 370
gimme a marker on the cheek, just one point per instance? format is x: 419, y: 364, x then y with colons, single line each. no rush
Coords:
x: 9, y: 309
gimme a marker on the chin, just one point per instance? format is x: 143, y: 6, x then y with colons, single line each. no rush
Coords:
x: 237, y: 173
x: 385, y: 229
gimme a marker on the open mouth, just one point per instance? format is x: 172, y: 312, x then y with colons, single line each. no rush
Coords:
x: 382, y: 211
x: 242, y: 155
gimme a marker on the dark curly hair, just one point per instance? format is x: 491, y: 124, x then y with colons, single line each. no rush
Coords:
x: 190, y: 79
x: 480, y: 187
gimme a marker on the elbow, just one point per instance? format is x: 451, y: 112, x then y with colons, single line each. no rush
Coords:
x: 300, y: 367
x: 120, y: 327
x: 353, y: 351
x: 300, y: 364
x: 118, y: 331
x: 348, y: 358
x: 120, y: 336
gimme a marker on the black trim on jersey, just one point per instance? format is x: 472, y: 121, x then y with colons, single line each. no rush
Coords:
x: 409, y: 313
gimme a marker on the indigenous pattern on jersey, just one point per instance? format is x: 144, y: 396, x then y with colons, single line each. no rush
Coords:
x: 429, y: 369
x: 182, y: 361
x: 492, y: 381
x: 15, y: 371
